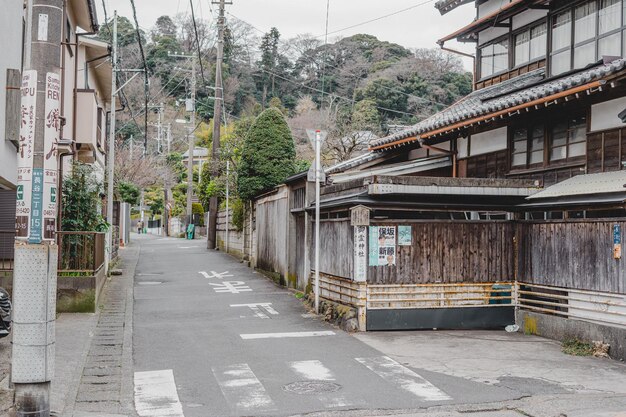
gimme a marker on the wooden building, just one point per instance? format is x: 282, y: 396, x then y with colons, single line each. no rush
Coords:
x: 507, y: 207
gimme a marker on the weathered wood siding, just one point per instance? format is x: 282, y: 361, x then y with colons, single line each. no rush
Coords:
x: 336, y: 248
x: 449, y: 252
x: 299, y: 267
x: 272, y: 215
x: 573, y: 254
x: 606, y: 150
x: 235, y: 237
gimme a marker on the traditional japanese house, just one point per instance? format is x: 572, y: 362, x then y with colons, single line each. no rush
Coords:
x: 510, y: 200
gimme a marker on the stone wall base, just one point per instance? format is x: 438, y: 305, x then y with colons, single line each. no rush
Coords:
x: 560, y: 328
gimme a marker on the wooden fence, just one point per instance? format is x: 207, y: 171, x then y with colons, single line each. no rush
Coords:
x: 336, y: 248
x: 272, y: 215
x: 572, y: 254
x: 81, y: 251
x: 450, y: 252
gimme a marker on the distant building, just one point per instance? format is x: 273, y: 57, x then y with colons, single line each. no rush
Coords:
x: 200, y: 156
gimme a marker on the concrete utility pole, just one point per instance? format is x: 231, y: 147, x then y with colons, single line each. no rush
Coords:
x: 192, y: 143
x: 35, y: 270
x: 111, y: 153
x: 191, y: 106
x: 217, y: 120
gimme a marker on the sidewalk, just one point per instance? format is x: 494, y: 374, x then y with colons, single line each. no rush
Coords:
x: 93, y: 375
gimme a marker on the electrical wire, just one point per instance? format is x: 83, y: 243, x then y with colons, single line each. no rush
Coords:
x: 312, y: 60
x: 377, y: 18
x: 195, y: 29
x: 145, y: 75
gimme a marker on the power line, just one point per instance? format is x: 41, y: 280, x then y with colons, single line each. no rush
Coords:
x: 312, y: 60
x: 145, y: 76
x: 335, y: 95
x: 377, y: 18
x: 195, y: 29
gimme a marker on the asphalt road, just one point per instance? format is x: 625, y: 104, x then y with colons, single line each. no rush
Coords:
x: 214, y: 338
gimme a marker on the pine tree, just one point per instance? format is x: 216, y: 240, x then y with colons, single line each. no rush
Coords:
x: 268, y: 155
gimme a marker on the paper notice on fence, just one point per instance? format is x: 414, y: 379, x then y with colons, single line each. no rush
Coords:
x: 386, y: 245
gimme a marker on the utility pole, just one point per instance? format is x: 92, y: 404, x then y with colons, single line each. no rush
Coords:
x: 111, y: 153
x: 35, y: 268
x: 159, y: 128
x: 169, y: 137
x: 191, y: 106
x: 217, y: 120
x: 131, y: 147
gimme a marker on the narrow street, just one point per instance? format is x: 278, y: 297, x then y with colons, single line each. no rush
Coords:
x: 214, y: 338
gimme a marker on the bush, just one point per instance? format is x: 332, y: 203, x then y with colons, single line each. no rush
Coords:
x: 239, y: 214
x: 196, y: 208
x: 268, y: 155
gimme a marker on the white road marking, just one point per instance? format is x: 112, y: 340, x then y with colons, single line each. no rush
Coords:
x: 309, y: 315
x: 156, y: 395
x: 284, y: 335
x: 188, y: 247
x: 233, y: 287
x: 242, y: 389
x: 312, y: 370
x: 256, y: 309
x: 213, y: 274
x: 393, y: 372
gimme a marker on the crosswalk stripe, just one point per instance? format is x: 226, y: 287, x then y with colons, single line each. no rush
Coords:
x: 156, y: 395
x: 313, y: 370
x: 403, y: 377
x: 241, y: 388
x: 251, y: 336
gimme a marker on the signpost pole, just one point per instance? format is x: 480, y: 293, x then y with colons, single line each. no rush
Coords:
x: 318, y: 168
x: 35, y: 267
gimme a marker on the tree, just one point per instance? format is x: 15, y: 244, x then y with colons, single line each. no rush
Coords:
x: 128, y: 193
x: 268, y: 155
x: 81, y: 200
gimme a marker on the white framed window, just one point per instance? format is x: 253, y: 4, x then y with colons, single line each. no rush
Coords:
x: 494, y: 58
x: 531, y: 44
x: 599, y: 30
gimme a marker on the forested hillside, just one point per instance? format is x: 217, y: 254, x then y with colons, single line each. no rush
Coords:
x: 354, y: 85
x: 356, y: 88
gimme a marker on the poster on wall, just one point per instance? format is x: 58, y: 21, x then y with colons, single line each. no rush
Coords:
x: 386, y: 245
x: 404, y: 236
x: 25, y: 153
x: 360, y: 253
x: 373, y: 246
x: 52, y: 128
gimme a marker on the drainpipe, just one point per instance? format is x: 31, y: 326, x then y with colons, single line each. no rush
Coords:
x: 465, y: 54
x: 89, y: 61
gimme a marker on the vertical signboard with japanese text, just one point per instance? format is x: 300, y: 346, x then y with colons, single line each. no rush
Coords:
x: 25, y: 153
x: 52, y: 127
x: 360, y: 253
x: 617, y: 241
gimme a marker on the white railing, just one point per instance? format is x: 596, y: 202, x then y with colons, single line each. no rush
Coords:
x: 600, y: 307
x: 410, y: 296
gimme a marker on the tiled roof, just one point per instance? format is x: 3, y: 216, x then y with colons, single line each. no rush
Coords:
x: 517, y: 91
x: 602, y: 183
x: 354, y: 162
x: 445, y: 6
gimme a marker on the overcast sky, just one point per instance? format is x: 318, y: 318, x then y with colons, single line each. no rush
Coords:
x: 419, y: 27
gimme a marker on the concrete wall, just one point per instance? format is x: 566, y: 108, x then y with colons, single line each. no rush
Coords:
x: 560, y: 328
x: 11, y: 22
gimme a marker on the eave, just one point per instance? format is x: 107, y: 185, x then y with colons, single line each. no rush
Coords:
x: 469, y: 33
x: 445, y: 6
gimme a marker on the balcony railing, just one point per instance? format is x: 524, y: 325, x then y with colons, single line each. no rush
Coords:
x: 81, y: 252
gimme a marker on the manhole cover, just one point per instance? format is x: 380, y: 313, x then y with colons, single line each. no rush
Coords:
x: 149, y: 283
x: 311, y: 387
